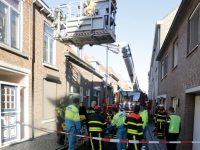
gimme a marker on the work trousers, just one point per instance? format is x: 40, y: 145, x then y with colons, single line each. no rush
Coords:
x: 96, y: 144
x: 72, y: 138
x: 171, y: 137
x: 144, y: 134
x: 121, y: 134
x: 133, y: 146
x: 161, y: 129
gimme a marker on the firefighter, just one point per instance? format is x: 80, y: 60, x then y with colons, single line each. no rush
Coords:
x: 172, y: 129
x: 60, y: 119
x: 96, y: 124
x: 160, y: 119
x: 72, y: 121
x: 154, y: 117
x: 144, y: 114
x: 90, y: 109
x: 134, y: 128
x: 118, y: 122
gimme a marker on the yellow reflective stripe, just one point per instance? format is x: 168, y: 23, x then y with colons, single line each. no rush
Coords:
x: 135, y: 145
x: 140, y: 133
x: 161, y: 115
x: 100, y: 147
x: 91, y: 142
x: 160, y: 120
x: 168, y: 121
x: 95, y: 129
x: 97, y: 122
x: 125, y: 123
x: 132, y: 123
x: 132, y: 131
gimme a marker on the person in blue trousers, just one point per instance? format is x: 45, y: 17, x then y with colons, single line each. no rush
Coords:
x: 118, y: 121
x: 72, y: 121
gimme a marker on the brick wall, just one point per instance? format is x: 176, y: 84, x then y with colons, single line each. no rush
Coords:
x: 184, y: 76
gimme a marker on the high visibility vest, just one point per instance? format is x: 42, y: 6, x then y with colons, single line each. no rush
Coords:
x: 118, y: 120
x: 144, y: 116
x: 174, y: 123
x: 72, y: 118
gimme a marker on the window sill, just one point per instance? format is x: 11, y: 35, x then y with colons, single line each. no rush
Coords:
x: 12, y: 50
x: 164, y: 77
x: 50, y: 66
x: 174, y: 67
x: 192, y: 50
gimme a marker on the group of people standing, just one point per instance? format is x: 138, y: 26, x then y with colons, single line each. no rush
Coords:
x: 131, y: 127
x: 167, y: 124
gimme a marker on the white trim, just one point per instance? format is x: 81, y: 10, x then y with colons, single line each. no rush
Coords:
x: 162, y: 96
x: 194, y: 12
x: 50, y: 66
x: 48, y: 120
x: 193, y: 90
x: 97, y: 89
x: 13, y: 84
x: 13, y: 68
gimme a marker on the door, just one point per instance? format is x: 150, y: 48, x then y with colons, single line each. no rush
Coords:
x: 196, y: 132
x: 8, y: 110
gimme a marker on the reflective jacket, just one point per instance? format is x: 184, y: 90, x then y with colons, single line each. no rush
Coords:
x: 72, y: 118
x: 90, y: 111
x: 96, y: 122
x: 161, y: 116
x: 118, y: 120
x: 173, y: 124
x: 144, y: 115
x: 134, y: 125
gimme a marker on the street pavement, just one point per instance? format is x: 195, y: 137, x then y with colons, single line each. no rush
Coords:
x: 48, y: 142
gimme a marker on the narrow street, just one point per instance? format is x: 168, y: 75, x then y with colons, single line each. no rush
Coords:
x: 48, y: 142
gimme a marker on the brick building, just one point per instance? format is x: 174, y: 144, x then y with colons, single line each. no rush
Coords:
x: 179, y: 70
x: 32, y: 69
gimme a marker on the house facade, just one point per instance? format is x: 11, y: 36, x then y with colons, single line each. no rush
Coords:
x: 161, y: 30
x: 179, y: 79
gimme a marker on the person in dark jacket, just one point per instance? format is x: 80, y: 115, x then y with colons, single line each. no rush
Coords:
x: 82, y: 109
x: 96, y: 124
x: 134, y: 124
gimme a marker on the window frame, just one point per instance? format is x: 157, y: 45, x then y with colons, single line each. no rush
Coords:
x: 191, y: 38
x: 8, y: 30
x: 175, y: 54
x: 50, y: 37
x: 164, y: 67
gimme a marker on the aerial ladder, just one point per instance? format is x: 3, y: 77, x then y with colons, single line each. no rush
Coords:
x: 85, y: 22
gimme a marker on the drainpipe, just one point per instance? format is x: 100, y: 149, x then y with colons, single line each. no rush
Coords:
x: 66, y: 63
x: 33, y: 69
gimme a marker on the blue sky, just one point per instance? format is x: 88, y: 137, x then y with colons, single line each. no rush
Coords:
x: 135, y: 20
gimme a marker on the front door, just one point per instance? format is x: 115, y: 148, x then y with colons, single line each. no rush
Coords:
x: 8, y: 99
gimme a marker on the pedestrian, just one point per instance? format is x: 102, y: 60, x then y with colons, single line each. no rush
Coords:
x: 60, y: 119
x: 118, y: 122
x: 72, y: 121
x: 161, y: 118
x: 172, y: 129
x: 144, y: 114
x: 134, y: 128
x: 82, y: 109
x: 97, y: 125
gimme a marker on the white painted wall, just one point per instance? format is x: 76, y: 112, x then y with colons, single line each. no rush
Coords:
x: 196, y: 132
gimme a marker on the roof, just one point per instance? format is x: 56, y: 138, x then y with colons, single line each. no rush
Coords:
x: 43, y: 7
x: 175, y: 24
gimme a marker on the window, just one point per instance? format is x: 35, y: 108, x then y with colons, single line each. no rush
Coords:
x: 162, y: 70
x: 10, y: 23
x: 48, y: 45
x: 175, y: 54
x: 164, y: 67
x: 174, y: 103
x: 194, y: 27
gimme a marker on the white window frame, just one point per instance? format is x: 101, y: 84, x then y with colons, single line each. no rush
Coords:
x: 50, y: 37
x: 195, y: 12
x: 162, y: 69
x: 175, y: 54
x: 19, y: 12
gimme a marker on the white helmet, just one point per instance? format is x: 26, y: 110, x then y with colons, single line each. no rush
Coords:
x: 161, y: 105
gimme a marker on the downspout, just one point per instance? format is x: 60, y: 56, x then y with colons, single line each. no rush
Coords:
x: 33, y: 69
x: 66, y: 63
